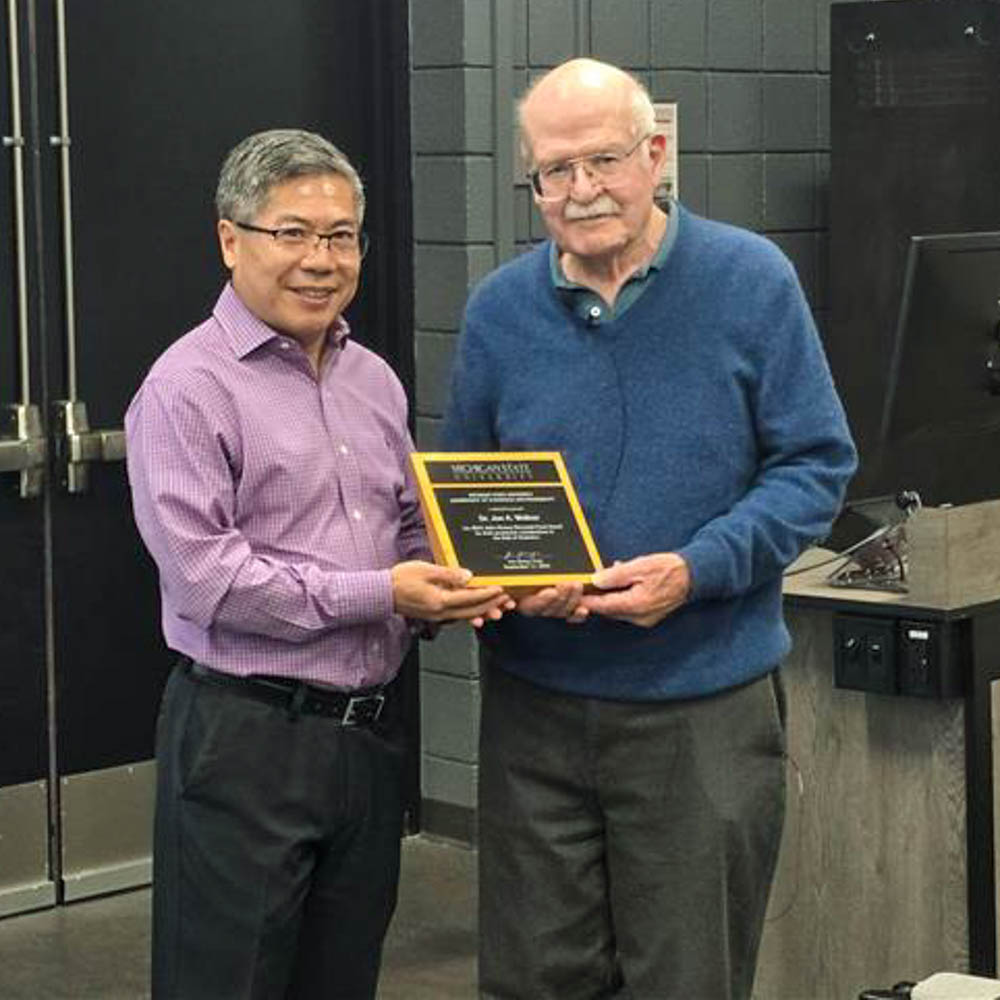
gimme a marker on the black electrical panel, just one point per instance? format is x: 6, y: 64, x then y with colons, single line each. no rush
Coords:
x: 929, y: 659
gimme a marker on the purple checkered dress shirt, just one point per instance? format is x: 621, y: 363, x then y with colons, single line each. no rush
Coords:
x: 274, y: 502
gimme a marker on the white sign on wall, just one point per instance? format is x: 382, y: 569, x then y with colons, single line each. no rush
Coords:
x: 666, y: 125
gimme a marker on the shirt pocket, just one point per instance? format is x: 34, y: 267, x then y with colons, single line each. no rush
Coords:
x: 380, y: 469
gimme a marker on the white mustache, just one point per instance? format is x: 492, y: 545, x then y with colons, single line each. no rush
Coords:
x: 602, y: 205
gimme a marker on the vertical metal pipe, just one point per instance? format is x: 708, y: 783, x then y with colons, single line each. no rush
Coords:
x: 63, y: 142
x: 16, y: 143
x: 503, y: 130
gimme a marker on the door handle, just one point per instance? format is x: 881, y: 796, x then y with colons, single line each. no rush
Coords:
x: 23, y: 447
x: 62, y: 143
x: 96, y: 446
x: 22, y: 441
x: 78, y: 445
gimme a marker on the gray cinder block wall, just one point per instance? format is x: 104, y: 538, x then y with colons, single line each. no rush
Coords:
x: 752, y: 81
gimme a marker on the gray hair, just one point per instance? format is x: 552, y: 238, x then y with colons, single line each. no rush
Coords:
x: 642, y: 112
x: 264, y: 160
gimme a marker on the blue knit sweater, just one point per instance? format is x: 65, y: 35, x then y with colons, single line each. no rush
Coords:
x: 702, y: 421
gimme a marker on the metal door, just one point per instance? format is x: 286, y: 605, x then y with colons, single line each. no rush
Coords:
x: 126, y: 111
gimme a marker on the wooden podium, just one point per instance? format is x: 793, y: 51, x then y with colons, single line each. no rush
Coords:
x: 888, y: 865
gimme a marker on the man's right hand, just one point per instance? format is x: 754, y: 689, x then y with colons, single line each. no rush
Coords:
x: 439, y: 593
x: 559, y: 601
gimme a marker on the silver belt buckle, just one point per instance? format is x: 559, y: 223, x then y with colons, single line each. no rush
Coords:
x: 360, y: 710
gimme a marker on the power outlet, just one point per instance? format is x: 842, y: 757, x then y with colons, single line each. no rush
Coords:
x: 864, y: 654
x: 919, y: 659
x: 934, y: 658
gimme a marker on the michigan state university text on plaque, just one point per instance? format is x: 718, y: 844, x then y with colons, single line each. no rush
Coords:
x: 511, y: 517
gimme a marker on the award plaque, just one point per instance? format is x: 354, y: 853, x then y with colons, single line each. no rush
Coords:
x: 511, y: 517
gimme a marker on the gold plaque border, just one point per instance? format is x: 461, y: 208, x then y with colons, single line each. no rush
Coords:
x: 437, y: 530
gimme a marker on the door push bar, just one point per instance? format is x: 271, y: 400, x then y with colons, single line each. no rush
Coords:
x: 23, y: 447
x: 77, y: 445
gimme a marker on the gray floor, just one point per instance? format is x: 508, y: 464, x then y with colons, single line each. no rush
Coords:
x: 99, y: 949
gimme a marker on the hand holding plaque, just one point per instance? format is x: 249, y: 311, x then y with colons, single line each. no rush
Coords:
x: 512, y: 518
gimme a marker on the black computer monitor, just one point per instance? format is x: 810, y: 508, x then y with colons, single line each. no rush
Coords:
x: 940, y: 425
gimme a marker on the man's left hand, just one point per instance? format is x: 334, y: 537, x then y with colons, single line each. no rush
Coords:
x: 643, y: 591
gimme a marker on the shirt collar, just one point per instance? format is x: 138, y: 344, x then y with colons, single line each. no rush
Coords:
x: 247, y: 331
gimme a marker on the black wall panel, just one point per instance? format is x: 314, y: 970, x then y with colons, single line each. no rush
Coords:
x: 157, y: 94
x: 915, y: 136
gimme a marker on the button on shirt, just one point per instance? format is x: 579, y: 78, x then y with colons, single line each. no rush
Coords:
x: 588, y: 305
x: 274, y: 501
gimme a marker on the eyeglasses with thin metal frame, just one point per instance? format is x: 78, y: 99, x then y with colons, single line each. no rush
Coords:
x: 554, y: 181
x: 342, y: 242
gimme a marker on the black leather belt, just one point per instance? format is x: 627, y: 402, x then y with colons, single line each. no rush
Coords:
x: 356, y: 708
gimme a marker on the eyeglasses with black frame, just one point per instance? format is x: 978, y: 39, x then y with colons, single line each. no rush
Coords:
x: 554, y: 181
x: 342, y: 242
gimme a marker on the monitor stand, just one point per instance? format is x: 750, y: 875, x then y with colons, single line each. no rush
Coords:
x: 880, y: 562
x: 879, y: 559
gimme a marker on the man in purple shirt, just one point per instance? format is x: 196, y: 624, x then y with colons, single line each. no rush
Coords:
x: 268, y: 459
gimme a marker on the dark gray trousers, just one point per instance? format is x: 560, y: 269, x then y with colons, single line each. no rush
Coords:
x: 276, y: 849
x: 626, y: 848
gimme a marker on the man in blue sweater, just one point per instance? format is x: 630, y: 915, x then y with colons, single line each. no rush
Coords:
x: 632, y: 767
